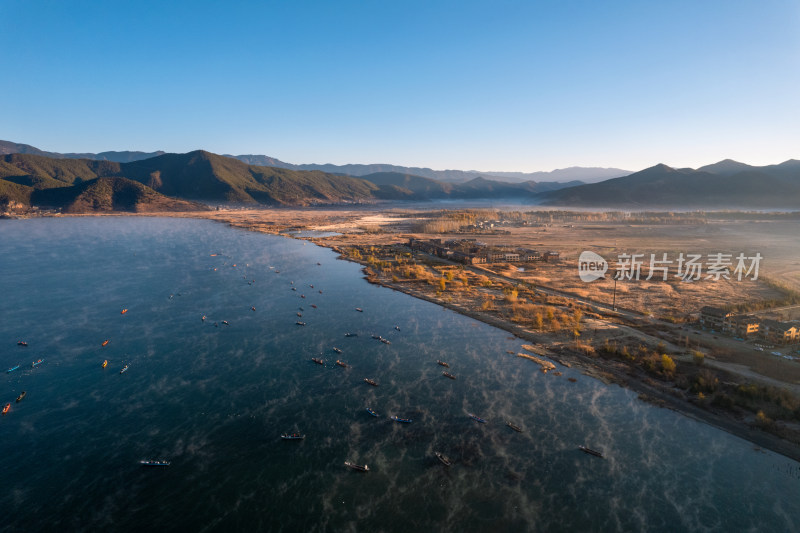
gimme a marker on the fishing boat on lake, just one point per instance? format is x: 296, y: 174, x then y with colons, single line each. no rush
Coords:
x: 318, y: 361
x: 124, y: 369
x: 292, y: 436
x: 385, y: 341
x: 314, y: 306
x: 448, y: 375
x: 337, y: 350
x: 403, y: 420
x: 397, y: 328
x: 590, y: 451
x: 123, y: 311
x: 105, y: 363
x: 21, y: 396
x: 359, y: 310
x: 341, y: 363
x: 351, y: 334
x: 477, y: 418
x: 371, y: 382
x: 6, y: 408
x: 354, y: 466
x: 300, y: 323
x: 105, y: 342
x: 443, y: 458
x: 442, y: 363
x: 154, y: 462
x: 514, y: 427
x: 12, y: 369
x: 373, y: 413
x: 37, y: 363
x: 22, y: 343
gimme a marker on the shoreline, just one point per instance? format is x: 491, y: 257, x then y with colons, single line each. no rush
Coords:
x: 656, y: 396
x: 606, y: 370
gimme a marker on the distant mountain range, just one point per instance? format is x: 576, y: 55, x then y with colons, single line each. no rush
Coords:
x: 587, y: 175
x: 584, y: 174
x: 7, y: 147
x: 727, y: 184
x: 135, y: 182
x: 213, y: 179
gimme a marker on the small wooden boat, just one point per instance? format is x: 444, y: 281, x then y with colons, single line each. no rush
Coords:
x: 318, y: 361
x: 319, y: 264
x: 105, y: 363
x: 403, y: 420
x: 6, y: 408
x: 299, y: 314
x: 385, y: 341
x: 302, y: 296
x: 397, y: 328
x: 294, y: 288
x: 477, y: 418
x: 311, y: 286
x: 300, y: 323
x: 377, y: 337
x: 351, y: 334
x: 204, y: 318
x: 590, y: 451
x: 341, y: 363
x: 314, y: 306
x: 442, y: 363
x: 252, y: 308
x: 124, y: 369
x: 359, y: 310
x: 123, y: 311
x: 292, y: 436
x: 373, y: 413
x: 320, y: 291
x: 37, y: 363
x: 225, y: 322
x: 21, y: 396
x: 22, y: 343
x: 105, y: 342
x: 514, y: 427
x: 354, y: 466
x: 337, y: 350
x: 154, y: 462
x: 371, y: 382
x: 12, y: 369
x: 448, y: 375
x: 443, y: 458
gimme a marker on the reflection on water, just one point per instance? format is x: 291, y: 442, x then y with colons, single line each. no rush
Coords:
x: 214, y: 398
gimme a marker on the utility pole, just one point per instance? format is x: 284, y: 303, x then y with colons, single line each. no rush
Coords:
x: 614, y: 304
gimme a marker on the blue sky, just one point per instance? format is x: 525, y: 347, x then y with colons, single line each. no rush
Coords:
x: 490, y: 85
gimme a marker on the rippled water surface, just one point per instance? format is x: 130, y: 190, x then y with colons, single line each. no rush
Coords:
x: 214, y: 399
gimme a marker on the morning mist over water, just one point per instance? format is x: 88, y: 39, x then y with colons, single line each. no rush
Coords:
x: 214, y: 400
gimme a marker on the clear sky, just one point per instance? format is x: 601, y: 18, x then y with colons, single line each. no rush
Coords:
x: 485, y: 85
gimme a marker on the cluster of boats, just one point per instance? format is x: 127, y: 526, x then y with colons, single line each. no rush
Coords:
x: 154, y: 462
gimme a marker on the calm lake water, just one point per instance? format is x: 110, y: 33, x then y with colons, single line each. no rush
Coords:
x: 214, y: 400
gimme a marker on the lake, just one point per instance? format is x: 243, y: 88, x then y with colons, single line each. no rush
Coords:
x: 214, y: 398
